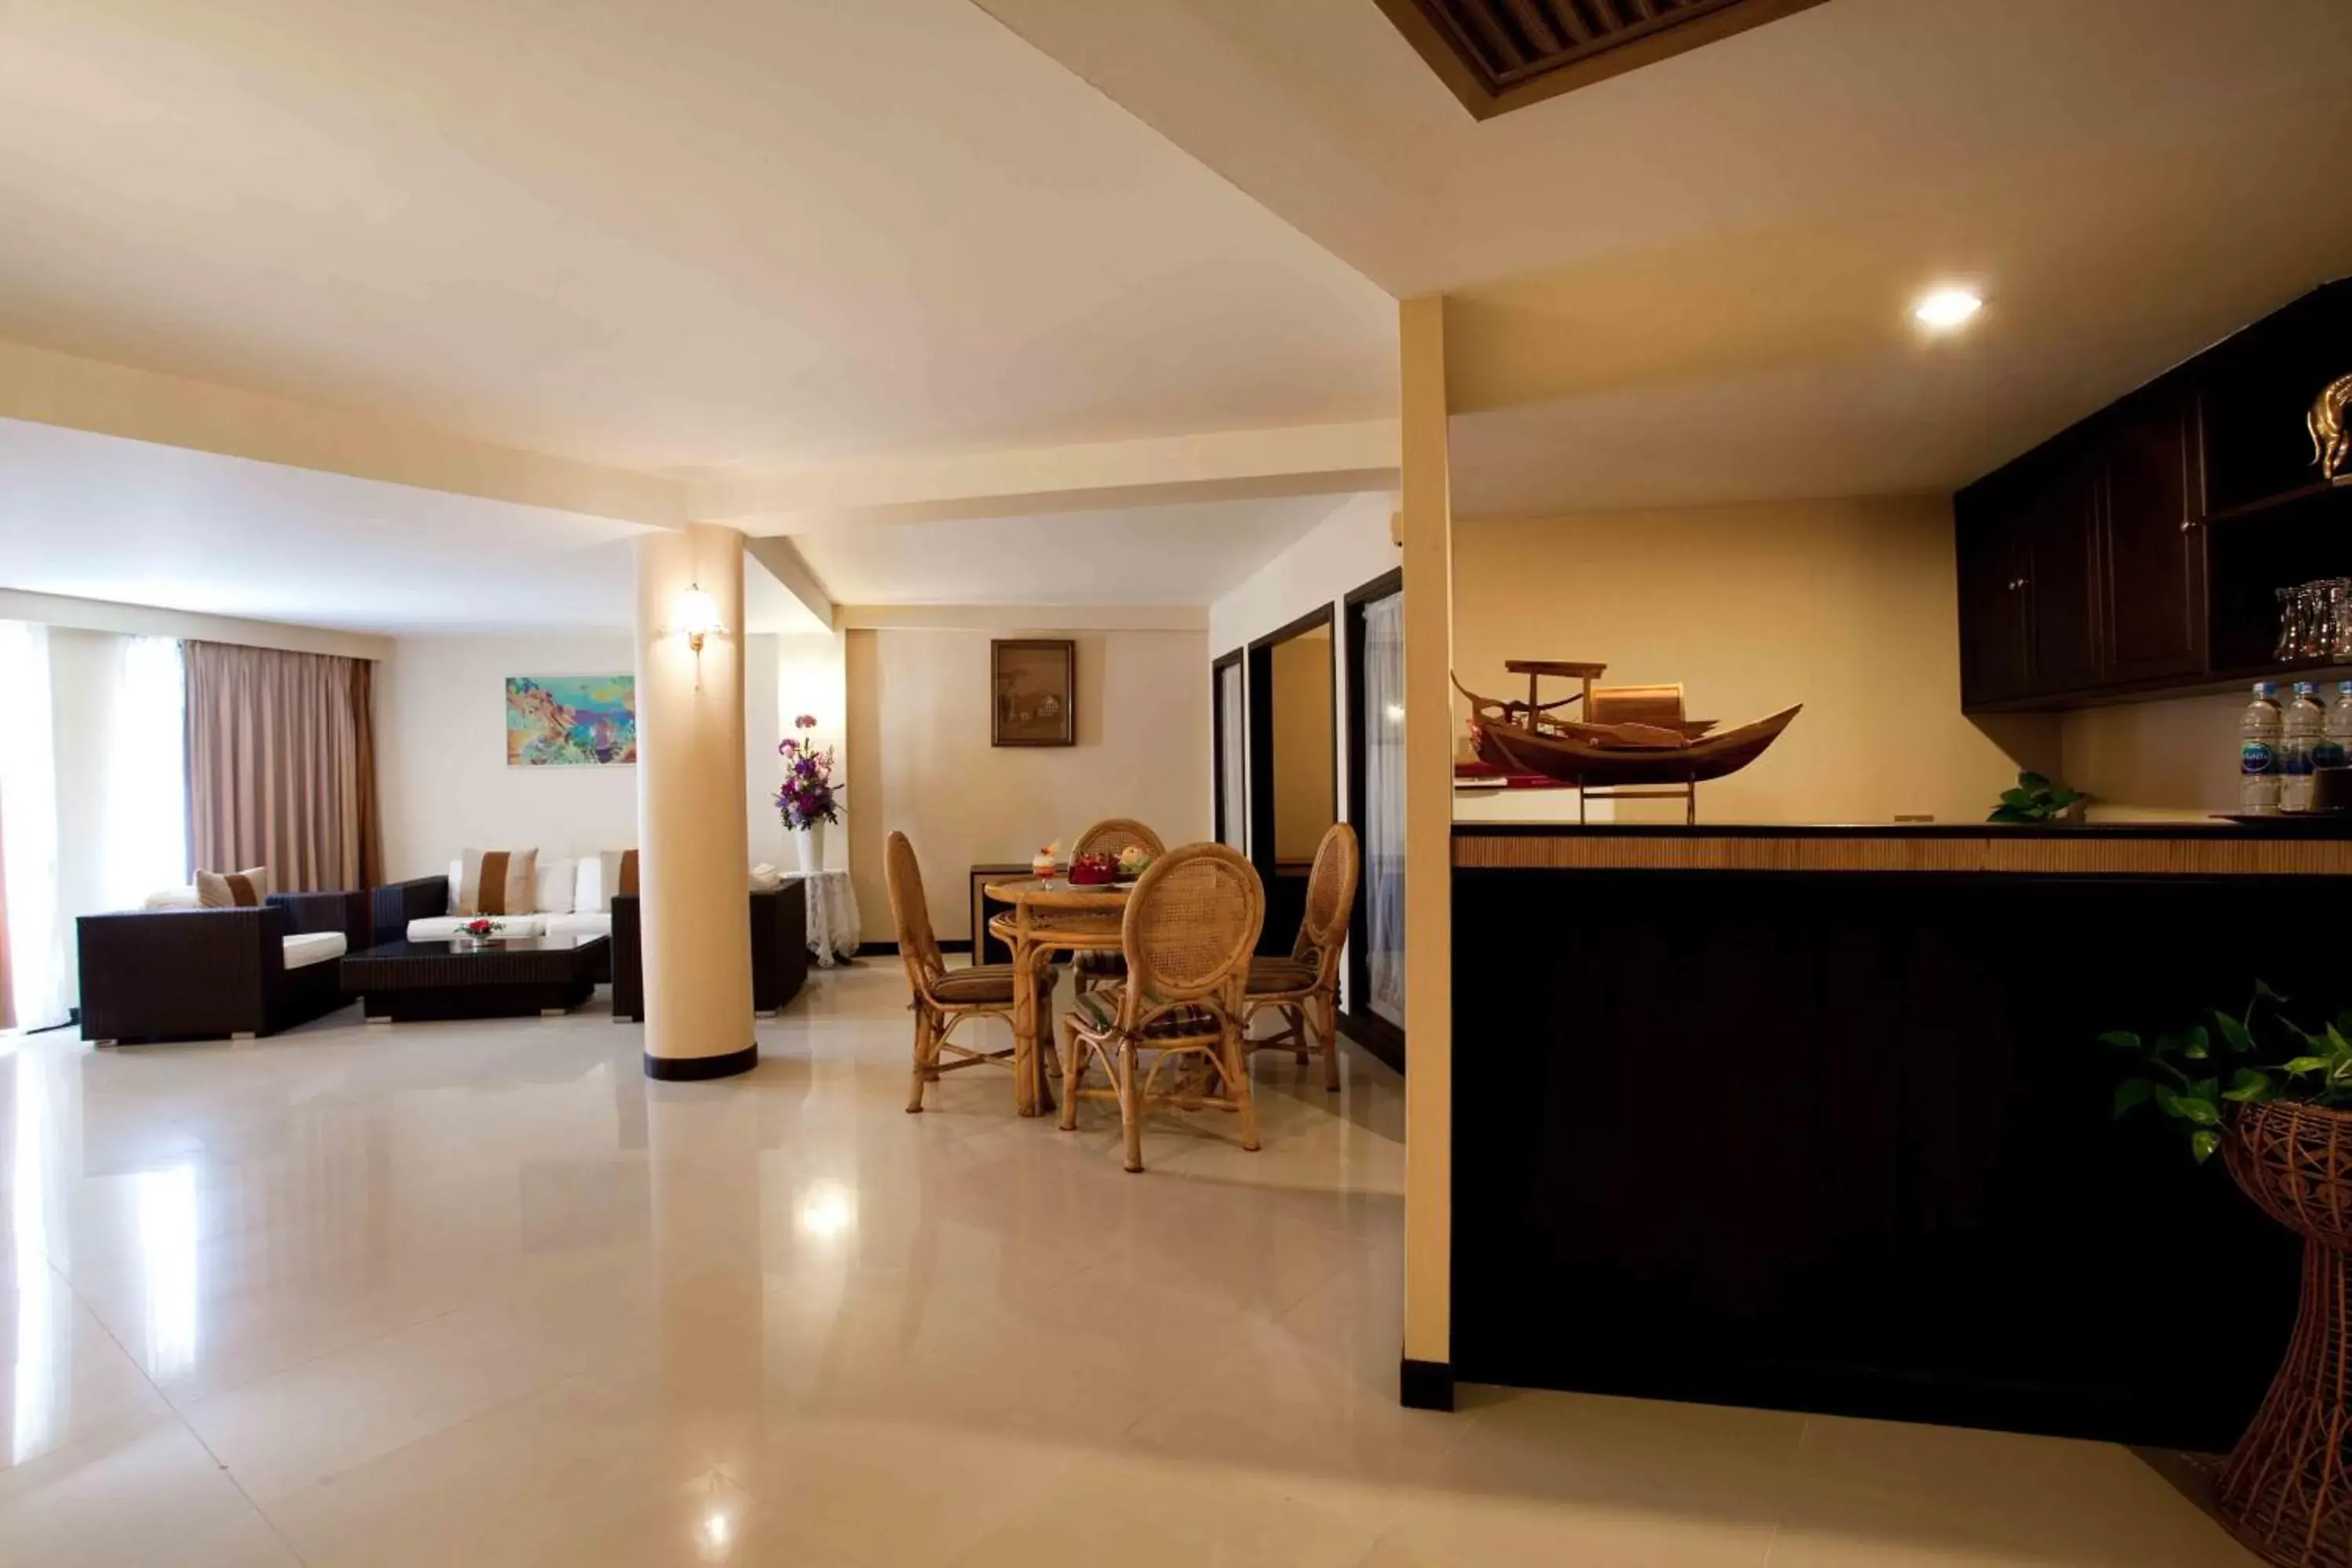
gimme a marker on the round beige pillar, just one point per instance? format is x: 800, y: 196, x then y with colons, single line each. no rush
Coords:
x: 694, y: 881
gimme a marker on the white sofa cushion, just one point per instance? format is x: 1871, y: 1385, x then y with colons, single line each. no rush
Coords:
x: 577, y: 924
x: 175, y: 899
x: 558, y: 887
x: 443, y: 928
x: 309, y: 947
x: 600, y: 878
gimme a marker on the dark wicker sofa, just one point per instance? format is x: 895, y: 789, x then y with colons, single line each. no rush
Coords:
x: 428, y: 897
x: 190, y: 974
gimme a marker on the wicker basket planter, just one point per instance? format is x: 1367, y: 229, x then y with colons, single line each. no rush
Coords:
x: 2286, y: 1490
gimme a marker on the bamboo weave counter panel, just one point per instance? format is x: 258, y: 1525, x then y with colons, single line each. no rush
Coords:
x: 2087, y: 852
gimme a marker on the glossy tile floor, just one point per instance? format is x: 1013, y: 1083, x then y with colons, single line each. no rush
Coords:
x: 477, y: 1293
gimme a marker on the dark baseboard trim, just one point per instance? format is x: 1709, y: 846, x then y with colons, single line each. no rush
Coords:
x: 1384, y: 1039
x: 1425, y: 1384
x: 693, y: 1069
x: 890, y: 949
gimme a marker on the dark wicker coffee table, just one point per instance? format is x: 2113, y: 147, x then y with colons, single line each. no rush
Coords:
x: 402, y: 982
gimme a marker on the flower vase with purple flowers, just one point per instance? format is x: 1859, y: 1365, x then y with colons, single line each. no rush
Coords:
x: 806, y: 799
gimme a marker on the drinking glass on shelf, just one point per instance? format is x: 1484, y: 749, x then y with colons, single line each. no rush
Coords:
x: 2319, y: 628
x: 2290, y: 622
x: 2339, y: 619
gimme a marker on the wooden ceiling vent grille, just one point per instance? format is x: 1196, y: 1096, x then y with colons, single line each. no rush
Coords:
x: 1499, y: 54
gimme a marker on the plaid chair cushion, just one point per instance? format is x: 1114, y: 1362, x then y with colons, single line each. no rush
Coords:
x: 1100, y: 961
x: 979, y: 984
x: 1098, y: 1013
x: 1269, y: 976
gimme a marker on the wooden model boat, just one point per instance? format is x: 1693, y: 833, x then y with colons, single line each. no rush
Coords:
x: 1659, y: 747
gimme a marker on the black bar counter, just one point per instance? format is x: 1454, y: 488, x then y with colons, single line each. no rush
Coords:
x: 1815, y: 1118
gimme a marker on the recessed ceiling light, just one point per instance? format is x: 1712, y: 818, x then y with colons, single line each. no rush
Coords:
x: 1947, y: 309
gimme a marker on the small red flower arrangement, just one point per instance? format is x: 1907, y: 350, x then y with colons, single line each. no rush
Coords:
x: 480, y: 927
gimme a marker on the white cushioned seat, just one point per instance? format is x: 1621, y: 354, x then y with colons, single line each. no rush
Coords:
x: 579, y: 925
x: 304, y: 949
x: 441, y: 928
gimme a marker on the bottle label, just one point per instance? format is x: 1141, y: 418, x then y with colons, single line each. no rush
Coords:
x: 2328, y: 755
x: 2255, y: 757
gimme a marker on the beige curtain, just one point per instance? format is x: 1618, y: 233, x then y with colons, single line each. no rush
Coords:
x: 281, y: 766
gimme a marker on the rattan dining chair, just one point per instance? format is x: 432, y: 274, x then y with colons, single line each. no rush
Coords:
x: 1187, y: 934
x: 944, y: 997
x: 1305, y: 987
x: 1100, y: 966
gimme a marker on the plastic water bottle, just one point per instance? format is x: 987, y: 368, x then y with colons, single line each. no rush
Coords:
x: 2335, y: 747
x: 2258, y: 753
x: 2305, y: 724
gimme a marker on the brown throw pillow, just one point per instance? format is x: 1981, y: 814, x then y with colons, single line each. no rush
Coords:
x: 498, y: 882
x: 245, y: 889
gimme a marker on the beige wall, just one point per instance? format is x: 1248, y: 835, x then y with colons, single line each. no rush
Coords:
x: 2172, y: 759
x: 1306, y: 802
x: 1844, y: 606
x: 919, y: 728
x: 441, y: 760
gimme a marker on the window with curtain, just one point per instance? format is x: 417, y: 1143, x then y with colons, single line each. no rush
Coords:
x: 281, y: 766
x: 1383, y: 700
x: 1233, y: 762
x: 32, y: 931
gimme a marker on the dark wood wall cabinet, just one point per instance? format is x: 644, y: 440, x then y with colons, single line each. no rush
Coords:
x: 2138, y: 553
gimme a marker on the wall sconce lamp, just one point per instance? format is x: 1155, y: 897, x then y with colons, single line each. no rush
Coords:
x: 696, y: 615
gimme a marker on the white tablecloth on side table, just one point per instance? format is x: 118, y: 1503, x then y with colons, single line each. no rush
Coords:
x: 832, y: 917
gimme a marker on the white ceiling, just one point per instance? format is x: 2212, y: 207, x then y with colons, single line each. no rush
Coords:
x: 97, y: 517
x: 1181, y: 555
x: 735, y: 234
x: 1692, y: 281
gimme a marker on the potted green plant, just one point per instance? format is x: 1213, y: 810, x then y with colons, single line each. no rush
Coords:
x: 2036, y: 799
x: 2282, y: 1125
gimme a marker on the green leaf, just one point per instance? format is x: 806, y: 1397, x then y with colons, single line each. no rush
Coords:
x: 2032, y: 780
x: 2121, y: 1039
x: 2233, y: 1033
x: 2337, y: 1046
x: 2301, y: 1065
x: 2262, y: 988
x: 2017, y: 799
x: 2063, y: 798
x: 2010, y: 815
x: 2248, y: 1087
x: 2198, y: 1045
x: 2132, y: 1091
x: 2198, y: 1108
x: 2166, y: 1098
x: 2203, y: 1142
x: 2165, y: 1045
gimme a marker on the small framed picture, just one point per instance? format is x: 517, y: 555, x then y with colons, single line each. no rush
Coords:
x: 1037, y: 692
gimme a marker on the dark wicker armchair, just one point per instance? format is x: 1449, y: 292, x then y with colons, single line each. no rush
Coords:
x: 779, y: 957
x: 185, y: 974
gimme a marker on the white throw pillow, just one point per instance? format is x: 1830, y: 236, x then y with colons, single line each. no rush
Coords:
x: 173, y: 899
x: 585, y: 885
x: 554, y: 893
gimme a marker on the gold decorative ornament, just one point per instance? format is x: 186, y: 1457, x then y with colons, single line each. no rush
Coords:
x: 2329, y: 443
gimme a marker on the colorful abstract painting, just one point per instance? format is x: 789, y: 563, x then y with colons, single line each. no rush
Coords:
x: 571, y: 720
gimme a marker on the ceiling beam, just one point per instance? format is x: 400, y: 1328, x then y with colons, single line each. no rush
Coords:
x: 1230, y: 465
x: 1023, y: 617
x: 46, y: 388
x: 792, y: 572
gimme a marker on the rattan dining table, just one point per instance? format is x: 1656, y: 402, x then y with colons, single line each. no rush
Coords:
x: 1049, y: 915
